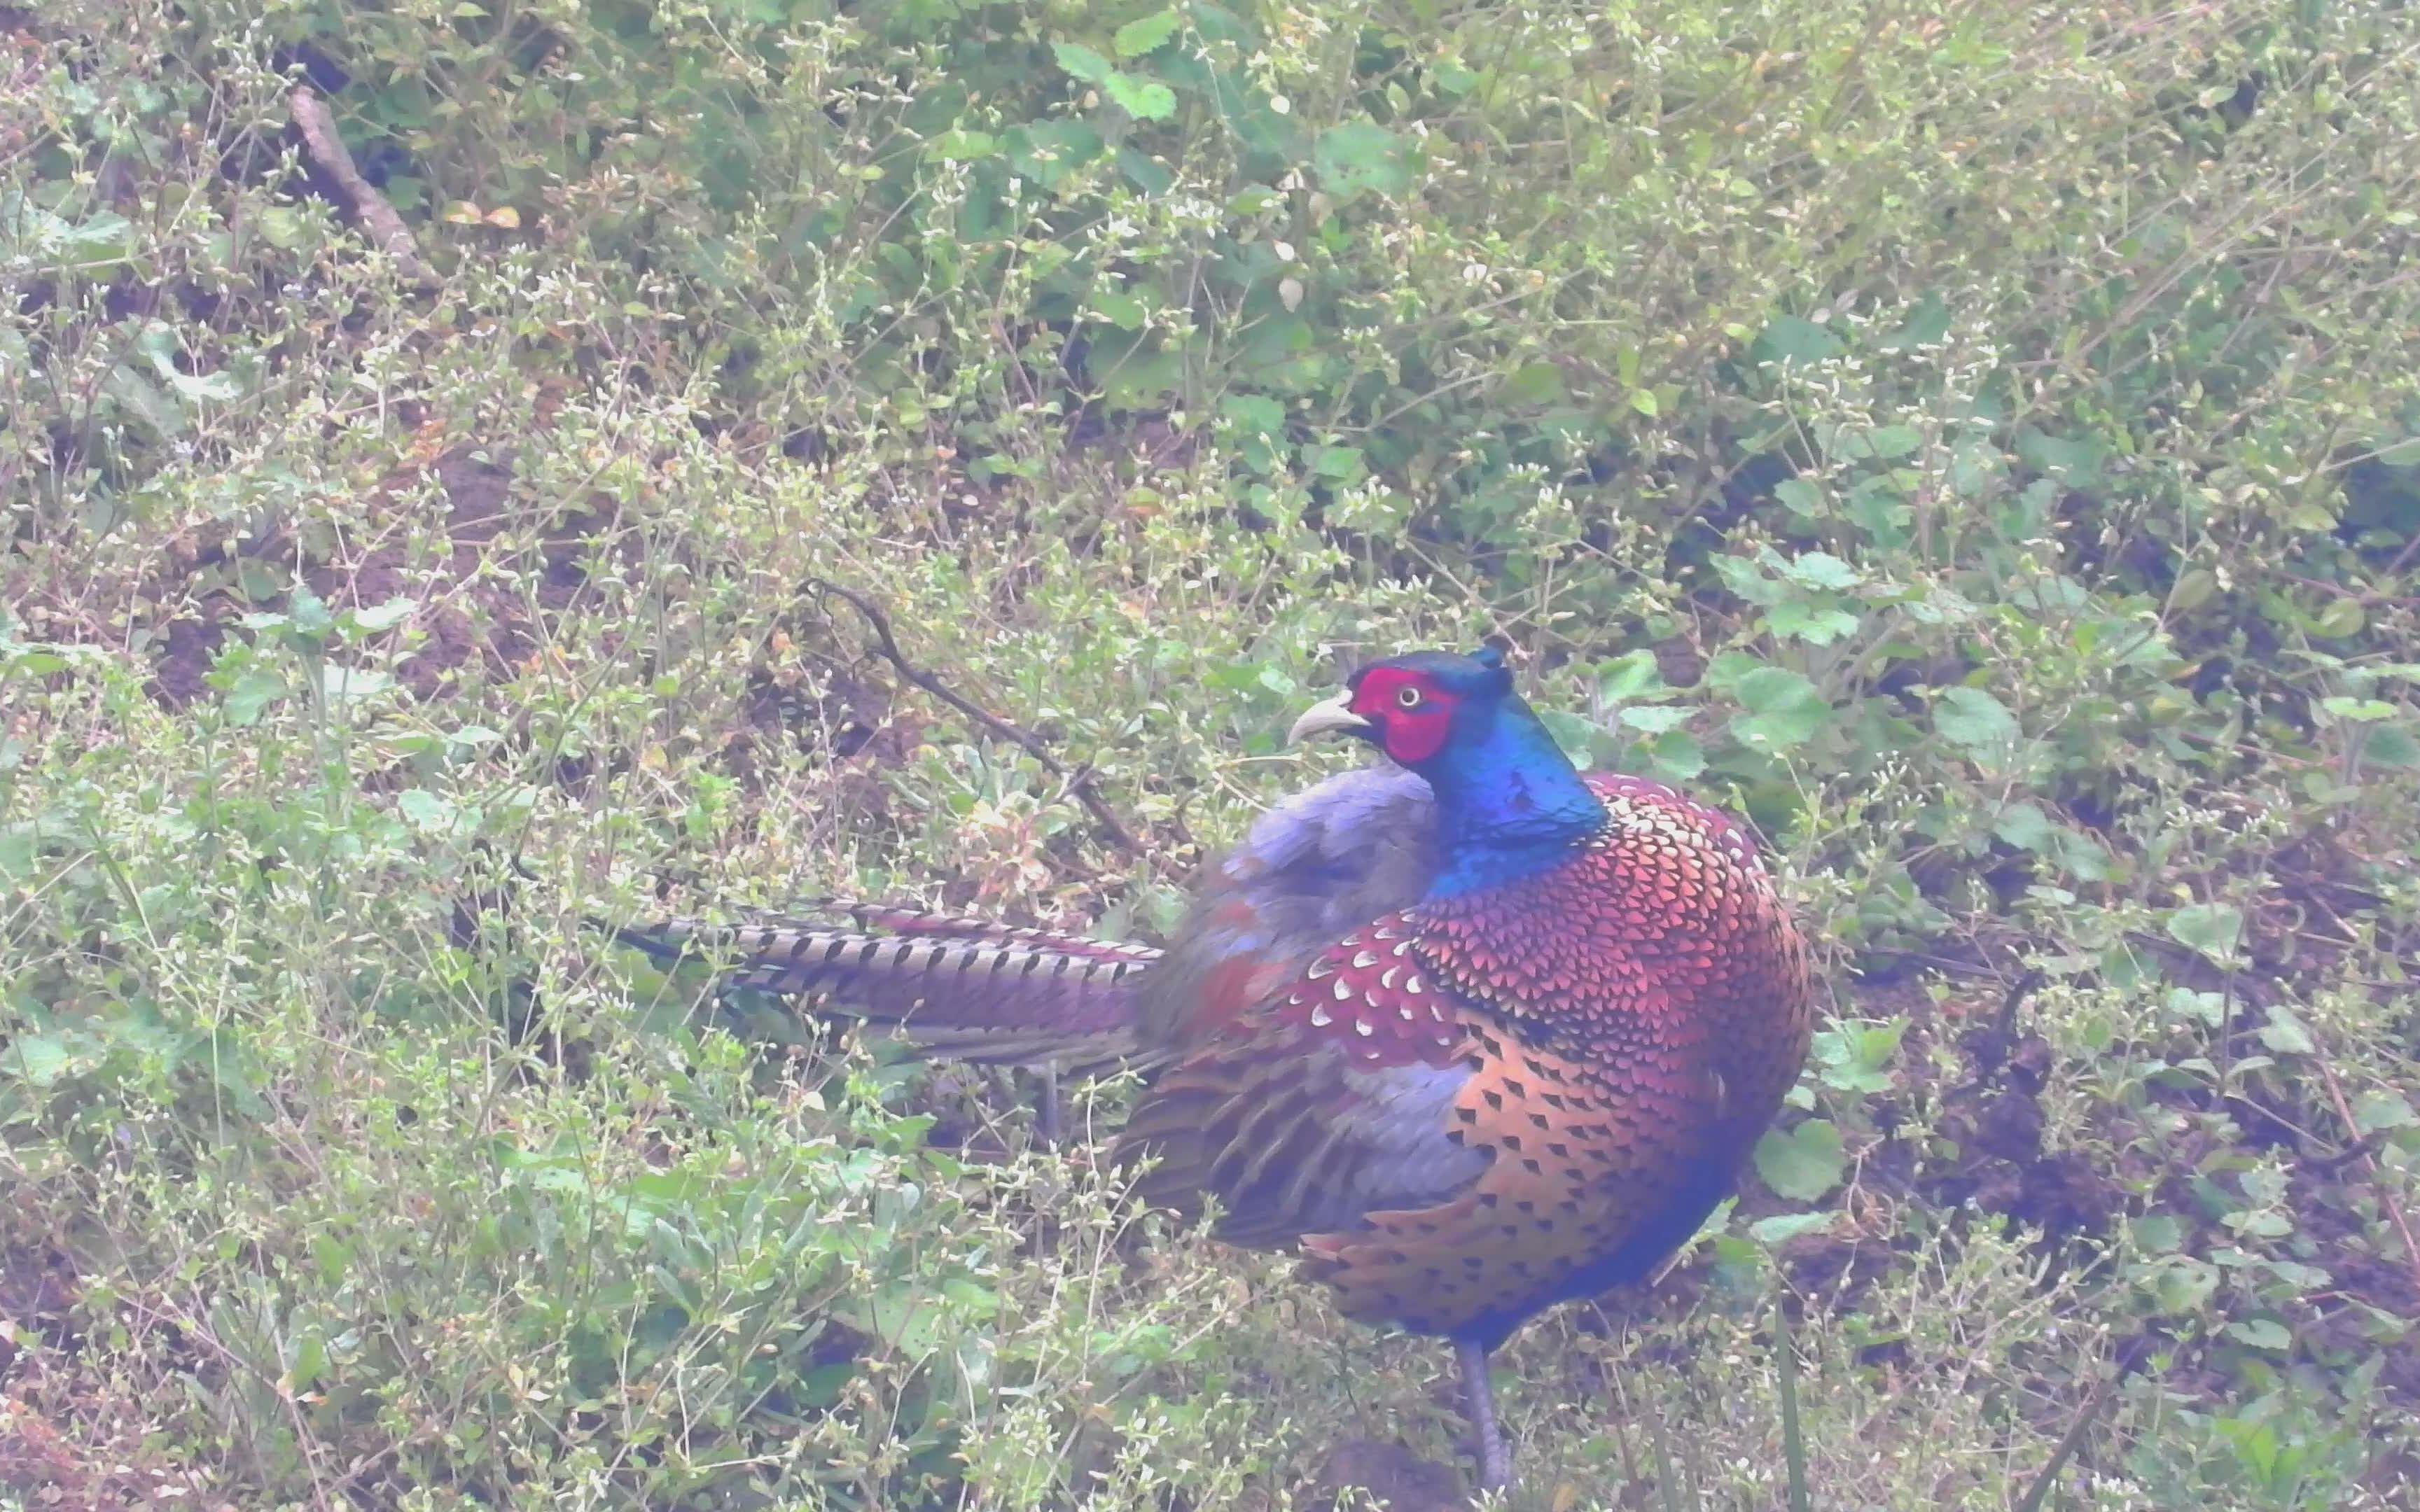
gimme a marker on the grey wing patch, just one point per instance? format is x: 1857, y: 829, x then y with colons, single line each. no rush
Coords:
x: 1379, y: 1146
x: 1348, y: 850
x: 1323, y: 863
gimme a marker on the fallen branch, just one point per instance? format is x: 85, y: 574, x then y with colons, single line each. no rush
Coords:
x: 1077, y: 781
x: 2385, y: 1189
x: 379, y: 218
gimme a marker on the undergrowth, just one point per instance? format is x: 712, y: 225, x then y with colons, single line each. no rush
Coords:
x: 1978, y: 444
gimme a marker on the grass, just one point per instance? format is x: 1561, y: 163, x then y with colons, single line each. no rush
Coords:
x: 1977, y: 444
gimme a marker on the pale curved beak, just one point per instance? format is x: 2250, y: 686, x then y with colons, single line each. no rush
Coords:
x: 1329, y: 717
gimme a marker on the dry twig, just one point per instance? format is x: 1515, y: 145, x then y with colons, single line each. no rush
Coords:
x: 327, y: 151
x: 2385, y: 1191
x: 1077, y: 782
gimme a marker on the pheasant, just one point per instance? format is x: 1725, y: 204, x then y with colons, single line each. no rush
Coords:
x: 1470, y: 1032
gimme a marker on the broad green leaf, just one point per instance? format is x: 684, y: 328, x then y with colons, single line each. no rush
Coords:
x: 426, y: 812
x: 1145, y: 99
x: 1813, y: 621
x: 1655, y: 719
x: 962, y: 146
x: 1534, y: 383
x: 2261, y: 1333
x: 1361, y: 157
x: 2285, y: 1033
x: 2024, y: 825
x: 1784, y: 1227
x: 1784, y: 710
x: 1795, y: 339
x: 1121, y: 309
x: 1147, y: 34
x: 1632, y: 674
x: 252, y: 693
x: 2212, y: 929
x: 348, y: 684
x: 1576, y: 736
x: 2390, y: 745
x: 1895, y: 441
x: 1676, y: 756
x: 41, y: 1059
x: 1802, y: 1164
x: 2184, y: 1283
x: 380, y: 617
x: 1083, y: 62
x: 1819, y: 569
x: 1975, y: 721
x: 2373, y: 1112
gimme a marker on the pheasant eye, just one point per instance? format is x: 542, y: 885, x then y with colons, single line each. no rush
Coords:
x: 1408, y: 697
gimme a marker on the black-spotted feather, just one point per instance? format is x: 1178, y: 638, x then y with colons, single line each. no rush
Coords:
x: 1014, y: 996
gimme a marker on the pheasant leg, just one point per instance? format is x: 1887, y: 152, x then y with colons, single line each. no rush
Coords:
x: 1478, y: 1404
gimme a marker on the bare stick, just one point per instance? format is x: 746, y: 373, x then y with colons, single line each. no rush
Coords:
x: 1077, y: 782
x: 2385, y: 1193
x: 386, y: 229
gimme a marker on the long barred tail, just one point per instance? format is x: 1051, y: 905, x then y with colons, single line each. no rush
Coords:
x: 956, y: 986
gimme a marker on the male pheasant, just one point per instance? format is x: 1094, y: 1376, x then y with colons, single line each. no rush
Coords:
x: 1471, y: 1032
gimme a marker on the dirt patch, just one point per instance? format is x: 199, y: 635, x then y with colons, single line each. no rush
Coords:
x: 71, y: 1438
x: 1371, y: 1473
x: 467, y: 609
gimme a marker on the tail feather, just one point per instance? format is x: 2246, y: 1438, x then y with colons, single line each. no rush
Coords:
x: 888, y: 918
x: 956, y: 986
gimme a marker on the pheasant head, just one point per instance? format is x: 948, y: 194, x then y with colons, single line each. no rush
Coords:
x: 1509, y: 802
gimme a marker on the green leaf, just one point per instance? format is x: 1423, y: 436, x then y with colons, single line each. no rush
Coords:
x: 1050, y: 152
x: 1576, y: 736
x: 2024, y: 825
x: 1145, y: 99
x: 1802, y: 497
x: 1083, y: 62
x: 1927, y: 323
x: 1632, y: 674
x: 1975, y: 721
x: 2184, y: 1283
x: 252, y: 693
x: 40, y: 1059
x: 1534, y: 383
x: 1784, y: 710
x: 1121, y: 309
x: 2285, y: 1034
x: 1895, y: 440
x: 1343, y: 464
x: 1819, y: 569
x: 1795, y: 339
x: 2212, y: 929
x: 1813, y: 621
x: 1783, y: 1227
x: 380, y: 617
x: 1643, y: 400
x: 429, y: 812
x: 1254, y: 414
x: 2261, y: 1333
x: 962, y: 146
x: 2390, y: 745
x: 2375, y: 1111
x: 1358, y: 158
x: 1655, y: 719
x: 1804, y: 1163
x: 1676, y: 756
x: 348, y: 684
x: 1146, y: 35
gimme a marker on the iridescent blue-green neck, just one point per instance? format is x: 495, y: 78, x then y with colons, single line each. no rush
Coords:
x: 1509, y: 802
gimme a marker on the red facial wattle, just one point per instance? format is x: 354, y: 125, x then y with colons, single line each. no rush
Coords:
x: 1413, y: 715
